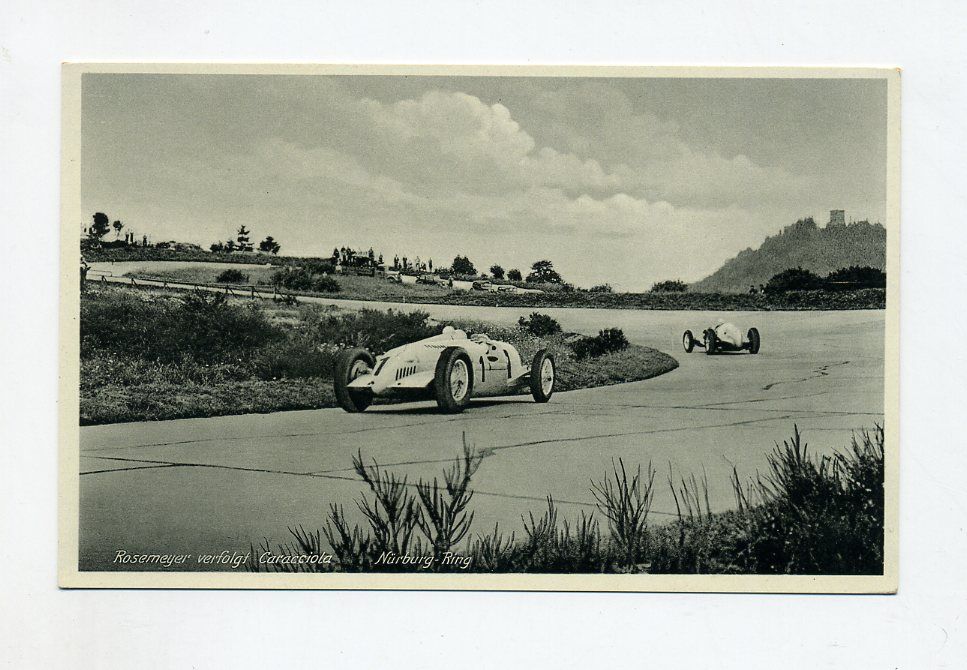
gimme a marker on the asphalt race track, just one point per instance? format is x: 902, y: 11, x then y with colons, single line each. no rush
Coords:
x: 200, y: 486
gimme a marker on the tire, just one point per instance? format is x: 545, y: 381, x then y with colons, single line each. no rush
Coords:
x: 453, y: 380
x: 543, y: 376
x: 350, y: 364
x: 688, y: 341
x: 754, y: 340
x: 711, y: 342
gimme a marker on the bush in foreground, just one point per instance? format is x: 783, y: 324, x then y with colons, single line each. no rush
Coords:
x: 539, y: 325
x: 606, y: 341
x: 806, y: 516
x: 231, y: 276
x: 310, y: 278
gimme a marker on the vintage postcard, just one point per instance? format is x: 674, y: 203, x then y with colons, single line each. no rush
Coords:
x: 475, y: 327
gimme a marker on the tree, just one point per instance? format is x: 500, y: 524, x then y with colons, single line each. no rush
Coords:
x: 100, y: 227
x: 117, y: 230
x: 242, y: 239
x: 601, y: 288
x: 513, y: 274
x: 229, y: 246
x: 463, y: 266
x: 497, y: 271
x: 669, y: 286
x: 269, y: 245
x: 216, y: 247
x: 543, y: 272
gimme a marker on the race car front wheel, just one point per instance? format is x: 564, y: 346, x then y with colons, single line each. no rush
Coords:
x: 688, y: 341
x: 754, y: 340
x: 453, y: 380
x: 350, y: 364
x: 543, y: 376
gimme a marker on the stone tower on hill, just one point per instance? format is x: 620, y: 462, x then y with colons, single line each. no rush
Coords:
x: 837, y: 217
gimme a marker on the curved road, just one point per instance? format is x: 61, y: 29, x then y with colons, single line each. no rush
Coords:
x: 205, y: 485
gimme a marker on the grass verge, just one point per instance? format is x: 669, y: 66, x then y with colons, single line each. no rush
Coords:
x: 152, y: 355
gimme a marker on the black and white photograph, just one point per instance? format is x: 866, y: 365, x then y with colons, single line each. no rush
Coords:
x: 480, y: 328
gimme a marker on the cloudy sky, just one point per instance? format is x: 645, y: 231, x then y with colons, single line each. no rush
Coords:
x: 626, y: 181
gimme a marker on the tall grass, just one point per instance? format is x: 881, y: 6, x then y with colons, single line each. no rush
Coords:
x: 805, y: 515
x: 445, y: 520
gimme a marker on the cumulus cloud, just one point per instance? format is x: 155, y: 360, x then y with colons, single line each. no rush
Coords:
x: 447, y: 164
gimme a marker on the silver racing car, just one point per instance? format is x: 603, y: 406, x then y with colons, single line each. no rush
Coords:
x: 449, y: 367
x: 723, y: 337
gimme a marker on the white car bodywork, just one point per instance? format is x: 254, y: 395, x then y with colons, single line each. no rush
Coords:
x: 496, y: 366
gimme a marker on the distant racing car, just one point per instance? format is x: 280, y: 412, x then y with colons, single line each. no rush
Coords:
x: 723, y: 337
x: 449, y: 367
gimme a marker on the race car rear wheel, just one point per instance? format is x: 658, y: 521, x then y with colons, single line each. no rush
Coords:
x: 350, y: 364
x: 543, y: 376
x: 711, y: 341
x: 453, y: 380
x: 754, y: 340
x: 688, y: 341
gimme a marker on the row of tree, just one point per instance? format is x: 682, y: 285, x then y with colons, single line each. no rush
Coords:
x: 800, y: 279
x: 541, y: 272
x: 844, y: 279
x: 102, y: 225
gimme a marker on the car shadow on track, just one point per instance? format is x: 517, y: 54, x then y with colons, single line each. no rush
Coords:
x: 401, y: 409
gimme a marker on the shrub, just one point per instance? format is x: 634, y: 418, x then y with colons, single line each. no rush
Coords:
x: 317, y: 266
x: 669, y: 286
x: 326, y: 284
x: 306, y: 278
x: 539, y: 325
x: 296, y: 279
x: 825, y: 514
x: 605, y: 342
x: 295, y: 357
x: 601, y: 288
x: 855, y: 277
x: 231, y: 276
x: 625, y: 503
x: 805, y: 516
x: 372, y: 329
x: 793, y: 279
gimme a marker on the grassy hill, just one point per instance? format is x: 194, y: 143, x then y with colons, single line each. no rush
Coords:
x: 803, y: 244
